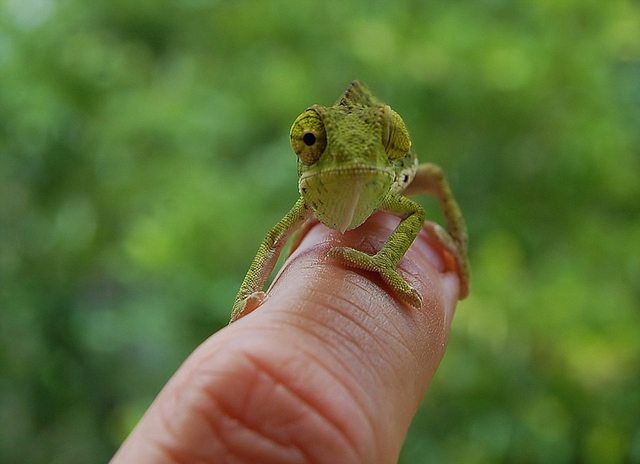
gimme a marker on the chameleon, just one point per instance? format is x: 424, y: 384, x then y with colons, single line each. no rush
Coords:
x: 356, y: 158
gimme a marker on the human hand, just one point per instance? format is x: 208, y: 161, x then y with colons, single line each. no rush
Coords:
x: 330, y: 368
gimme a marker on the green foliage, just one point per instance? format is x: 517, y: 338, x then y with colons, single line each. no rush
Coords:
x: 144, y: 154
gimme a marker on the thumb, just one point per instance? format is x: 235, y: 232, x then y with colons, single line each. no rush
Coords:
x: 330, y: 368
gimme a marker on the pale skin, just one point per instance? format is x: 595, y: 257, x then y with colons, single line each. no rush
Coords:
x: 356, y: 158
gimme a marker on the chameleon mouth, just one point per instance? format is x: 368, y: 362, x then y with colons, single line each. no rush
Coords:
x: 343, y: 198
x: 348, y: 170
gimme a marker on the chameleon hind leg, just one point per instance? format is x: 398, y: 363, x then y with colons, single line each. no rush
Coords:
x: 386, y: 260
x: 430, y: 180
x: 251, y: 292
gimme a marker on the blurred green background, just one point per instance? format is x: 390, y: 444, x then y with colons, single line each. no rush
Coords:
x: 144, y: 154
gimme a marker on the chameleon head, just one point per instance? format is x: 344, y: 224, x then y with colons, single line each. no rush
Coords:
x: 345, y: 160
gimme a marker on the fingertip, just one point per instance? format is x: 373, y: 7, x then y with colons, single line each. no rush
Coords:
x: 328, y: 343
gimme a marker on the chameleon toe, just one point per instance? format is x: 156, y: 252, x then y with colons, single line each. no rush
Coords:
x: 359, y: 260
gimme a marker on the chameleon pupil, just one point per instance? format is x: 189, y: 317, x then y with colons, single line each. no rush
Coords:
x: 309, y: 139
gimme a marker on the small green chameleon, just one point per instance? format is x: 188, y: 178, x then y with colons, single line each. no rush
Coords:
x: 355, y: 158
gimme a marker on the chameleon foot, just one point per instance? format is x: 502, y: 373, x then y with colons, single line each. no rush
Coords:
x: 457, y: 258
x: 357, y: 259
x: 245, y: 306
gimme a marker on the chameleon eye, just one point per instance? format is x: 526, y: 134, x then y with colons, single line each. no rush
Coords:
x: 395, y: 136
x: 308, y: 137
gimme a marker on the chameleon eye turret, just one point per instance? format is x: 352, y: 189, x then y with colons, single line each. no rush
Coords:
x: 395, y: 136
x: 308, y: 137
x: 356, y: 158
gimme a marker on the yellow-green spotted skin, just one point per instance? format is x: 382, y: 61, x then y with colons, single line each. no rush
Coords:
x: 356, y: 158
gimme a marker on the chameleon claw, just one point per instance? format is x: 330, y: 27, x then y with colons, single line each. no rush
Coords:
x: 413, y: 297
x: 247, y: 305
x: 454, y: 257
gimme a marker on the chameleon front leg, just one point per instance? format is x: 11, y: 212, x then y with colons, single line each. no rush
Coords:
x: 430, y: 180
x: 387, y: 259
x: 251, y: 292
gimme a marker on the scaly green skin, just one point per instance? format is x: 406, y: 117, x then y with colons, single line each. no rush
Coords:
x: 355, y: 158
